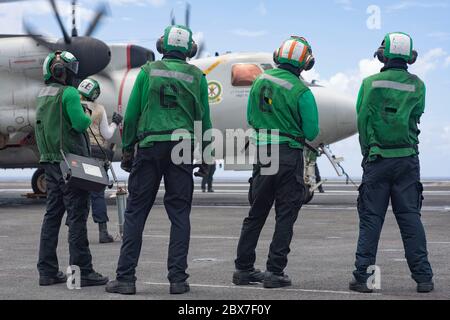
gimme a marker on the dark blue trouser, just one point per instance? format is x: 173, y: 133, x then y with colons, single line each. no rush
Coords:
x: 98, y: 203
x: 60, y: 199
x: 286, y: 189
x: 150, y: 165
x: 208, y: 179
x: 397, y: 179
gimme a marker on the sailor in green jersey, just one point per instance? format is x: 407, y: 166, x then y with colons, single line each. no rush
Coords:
x: 59, y: 108
x: 168, y: 95
x: 279, y: 100
x: 389, y: 108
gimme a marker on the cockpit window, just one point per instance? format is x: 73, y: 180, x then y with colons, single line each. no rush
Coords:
x: 243, y: 75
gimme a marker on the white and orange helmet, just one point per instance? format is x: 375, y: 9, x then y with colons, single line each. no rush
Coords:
x: 297, y: 52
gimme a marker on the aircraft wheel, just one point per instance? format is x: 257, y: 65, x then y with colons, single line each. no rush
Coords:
x: 38, y: 183
x: 309, y: 195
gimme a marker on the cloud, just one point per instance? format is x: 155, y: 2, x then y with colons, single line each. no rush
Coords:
x: 350, y: 81
x: 345, y: 4
x: 249, y: 33
x: 404, y: 5
x: 447, y: 62
x: 262, y: 10
x: 429, y: 61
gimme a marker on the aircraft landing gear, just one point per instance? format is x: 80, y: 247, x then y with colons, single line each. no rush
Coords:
x: 38, y: 183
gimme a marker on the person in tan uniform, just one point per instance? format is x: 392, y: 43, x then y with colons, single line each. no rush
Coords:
x: 100, y: 131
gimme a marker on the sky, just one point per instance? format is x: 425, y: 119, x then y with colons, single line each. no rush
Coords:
x: 343, y: 33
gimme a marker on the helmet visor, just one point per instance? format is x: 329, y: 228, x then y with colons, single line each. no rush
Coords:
x: 72, y: 66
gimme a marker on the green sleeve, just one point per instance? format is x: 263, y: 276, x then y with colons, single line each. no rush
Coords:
x: 206, y: 120
x: 360, y: 98
x: 133, y: 112
x: 309, y: 114
x: 249, y: 109
x: 362, y: 115
x: 422, y: 102
x: 72, y: 104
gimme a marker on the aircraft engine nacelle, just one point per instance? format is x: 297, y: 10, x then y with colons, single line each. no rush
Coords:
x: 14, y: 119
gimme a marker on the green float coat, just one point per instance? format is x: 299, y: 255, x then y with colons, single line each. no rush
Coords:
x: 74, y: 123
x: 167, y: 95
x: 389, y: 108
x: 281, y: 101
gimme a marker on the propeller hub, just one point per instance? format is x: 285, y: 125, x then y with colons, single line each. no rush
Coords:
x: 93, y: 54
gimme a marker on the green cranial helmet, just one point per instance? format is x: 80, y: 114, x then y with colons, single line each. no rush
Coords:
x: 177, y: 38
x: 90, y: 89
x: 295, y: 51
x: 398, y: 45
x: 56, y: 62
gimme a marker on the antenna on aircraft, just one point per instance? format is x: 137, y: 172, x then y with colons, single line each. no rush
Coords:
x: 74, y: 24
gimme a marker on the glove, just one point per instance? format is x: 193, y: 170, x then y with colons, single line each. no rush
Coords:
x: 127, y: 161
x: 203, y: 169
x: 117, y: 118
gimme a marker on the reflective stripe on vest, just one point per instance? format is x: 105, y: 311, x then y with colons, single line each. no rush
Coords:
x: 283, y: 83
x: 48, y: 92
x: 394, y: 85
x: 172, y: 74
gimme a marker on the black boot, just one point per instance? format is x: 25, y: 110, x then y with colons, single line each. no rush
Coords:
x: 272, y: 280
x: 243, y: 278
x: 60, y: 277
x: 104, y: 236
x: 93, y: 279
x: 359, y: 287
x: 179, y: 287
x: 121, y: 287
x: 425, y: 287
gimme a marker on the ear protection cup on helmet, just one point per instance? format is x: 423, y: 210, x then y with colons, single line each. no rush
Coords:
x: 414, y: 56
x: 159, y: 45
x: 310, y: 60
x: 309, y: 64
x: 190, y: 54
x: 380, y: 53
x: 57, y: 68
x: 275, y: 57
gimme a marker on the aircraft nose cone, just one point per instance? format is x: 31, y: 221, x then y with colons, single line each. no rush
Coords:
x: 337, y: 115
x: 346, y: 115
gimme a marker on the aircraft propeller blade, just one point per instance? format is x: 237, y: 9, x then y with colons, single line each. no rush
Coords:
x: 101, y: 12
x: 38, y: 39
x: 201, y: 49
x: 67, y: 39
